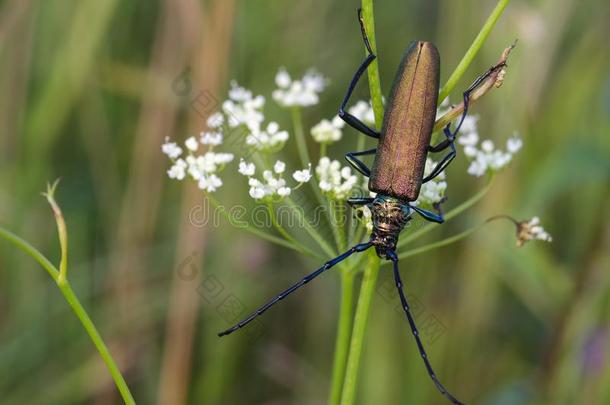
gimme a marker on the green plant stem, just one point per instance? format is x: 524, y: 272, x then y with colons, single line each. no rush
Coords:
x: 449, y: 215
x: 360, y: 322
x: 97, y: 340
x: 78, y: 310
x: 343, y: 334
x: 371, y: 271
x: 373, y: 70
x: 473, y: 50
x: 323, y: 147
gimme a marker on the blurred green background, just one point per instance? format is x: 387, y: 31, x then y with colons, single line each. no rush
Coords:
x: 86, y: 95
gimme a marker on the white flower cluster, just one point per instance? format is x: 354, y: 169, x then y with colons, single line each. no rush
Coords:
x: 271, y: 139
x: 241, y: 108
x: 327, y: 131
x: 244, y: 109
x: 201, y: 168
x: 336, y: 182
x: 483, y: 156
x: 433, y: 191
x: 301, y: 93
x: 273, y: 186
x: 531, y: 230
x: 363, y: 111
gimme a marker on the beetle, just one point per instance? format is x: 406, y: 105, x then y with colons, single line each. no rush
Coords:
x: 397, y: 173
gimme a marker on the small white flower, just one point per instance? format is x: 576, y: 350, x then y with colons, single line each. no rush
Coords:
x: 363, y: 111
x: 282, y: 79
x: 487, y: 146
x: 238, y: 93
x: 468, y: 139
x: 215, y: 120
x: 470, y: 125
x: 433, y: 191
x: 283, y: 191
x: 210, y: 183
x: 177, y: 171
x: 303, y: 93
x: 335, y: 181
x: 484, y: 157
x: 279, y: 167
x: 210, y: 138
x: 328, y: 131
x: 191, y: 144
x: 171, y: 149
x: 270, y: 139
x: 257, y: 193
x: 514, y: 144
x: 367, y: 217
x: 247, y: 169
x: 302, y: 176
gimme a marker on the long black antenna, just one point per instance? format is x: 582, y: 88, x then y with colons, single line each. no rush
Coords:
x: 358, y: 248
x: 405, y: 306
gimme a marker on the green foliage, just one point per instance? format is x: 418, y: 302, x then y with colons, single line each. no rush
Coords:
x: 87, y: 96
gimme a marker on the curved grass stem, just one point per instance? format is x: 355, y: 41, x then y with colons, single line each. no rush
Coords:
x: 59, y: 276
x: 472, y: 52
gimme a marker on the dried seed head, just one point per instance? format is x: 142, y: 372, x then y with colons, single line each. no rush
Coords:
x: 531, y: 230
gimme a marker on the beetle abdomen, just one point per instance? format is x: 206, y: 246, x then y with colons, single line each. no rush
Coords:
x: 407, y: 126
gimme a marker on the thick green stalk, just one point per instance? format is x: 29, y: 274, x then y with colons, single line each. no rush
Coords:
x: 344, y: 329
x: 473, y: 50
x: 372, y: 269
x: 373, y: 70
x: 77, y: 308
x: 360, y: 322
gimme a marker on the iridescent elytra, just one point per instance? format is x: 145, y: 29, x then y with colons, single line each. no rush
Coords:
x: 404, y: 139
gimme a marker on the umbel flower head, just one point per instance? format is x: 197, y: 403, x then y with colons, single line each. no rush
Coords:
x: 203, y: 167
x: 484, y: 156
x: 273, y: 186
x: 298, y: 93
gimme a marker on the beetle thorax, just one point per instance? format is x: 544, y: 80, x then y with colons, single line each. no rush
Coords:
x: 389, y: 217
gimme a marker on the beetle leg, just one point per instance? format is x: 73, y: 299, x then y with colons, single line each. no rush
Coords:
x: 355, y: 201
x: 350, y: 119
x: 358, y: 248
x: 420, y: 346
x: 444, y: 144
x: 440, y: 166
x: 450, y: 135
x: 428, y: 215
x: 357, y: 163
